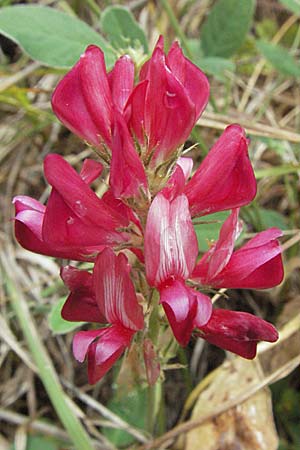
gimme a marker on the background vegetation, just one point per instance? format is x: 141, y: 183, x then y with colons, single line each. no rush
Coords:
x: 250, y: 51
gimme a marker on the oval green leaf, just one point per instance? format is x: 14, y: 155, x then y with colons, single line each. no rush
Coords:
x: 226, y: 27
x: 50, y: 36
x: 122, y: 29
x: 280, y: 58
x: 56, y: 323
x: 210, y: 228
x: 292, y: 5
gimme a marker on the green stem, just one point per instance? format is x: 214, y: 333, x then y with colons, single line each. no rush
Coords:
x: 46, y: 370
x: 175, y: 24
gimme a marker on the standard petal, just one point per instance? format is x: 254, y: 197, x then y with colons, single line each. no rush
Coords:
x: 238, y: 332
x: 171, y: 245
x: 121, y: 80
x: 180, y: 305
x: 82, y: 99
x: 225, y: 179
x: 169, y: 112
x: 81, y: 303
x: 115, y: 293
x: 127, y: 174
x: 191, y: 77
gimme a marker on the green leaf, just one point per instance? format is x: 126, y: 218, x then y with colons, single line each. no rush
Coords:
x: 50, y: 36
x: 280, y: 58
x: 122, y: 29
x: 292, y: 5
x: 40, y: 442
x: 226, y: 27
x: 271, y: 218
x: 209, y: 231
x: 214, y: 65
x: 132, y: 408
x: 56, y: 323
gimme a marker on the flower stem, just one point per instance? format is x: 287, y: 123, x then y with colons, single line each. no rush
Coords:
x: 176, y: 25
x: 46, y: 371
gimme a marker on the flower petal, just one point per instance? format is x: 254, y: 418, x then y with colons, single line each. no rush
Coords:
x: 127, y: 174
x: 82, y: 340
x: 121, y: 79
x: 103, y: 353
x: 225, y: 179
x: 238, y: 332
x: 171, y: 245
x: 194, y: 81
x: 256, y: 265
x: 115, y: 293
x: 82, y: 99
x: 81, y: 303
x: 90, y: 170
x: 78, y: 196
x: 180, y: 304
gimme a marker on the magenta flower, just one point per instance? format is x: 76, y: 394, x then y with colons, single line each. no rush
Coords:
x: 161, y: 110
x: 138, y: 131
x: 165, y: 105
x: 237, y: 332
x: 256, y: 265
x: 171, y: 249
x: 225, y: 179
x: 86, y: 98
x: 112, y: 291
x: 76, y: 224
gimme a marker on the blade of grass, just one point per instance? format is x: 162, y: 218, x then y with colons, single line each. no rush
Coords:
x: 43, y: 362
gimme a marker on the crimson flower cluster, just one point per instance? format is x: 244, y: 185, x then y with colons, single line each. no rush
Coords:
x: 145, y: 216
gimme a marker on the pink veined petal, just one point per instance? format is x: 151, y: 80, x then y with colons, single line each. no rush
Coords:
x: 238, y: 332
x: 82, y: 340
x: 224, y: 247
x: 191, y: 77
x: 121, y: 80
x: 78, y: 195
x: 75, y: 102
x: 103, y: 353
x: 127, y: 174
x: 171, y: 245
x: 225, y: 179
x: 180, y: 305
x: 115, y: 293
x: 90, y: 170
x: 81, y: 303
